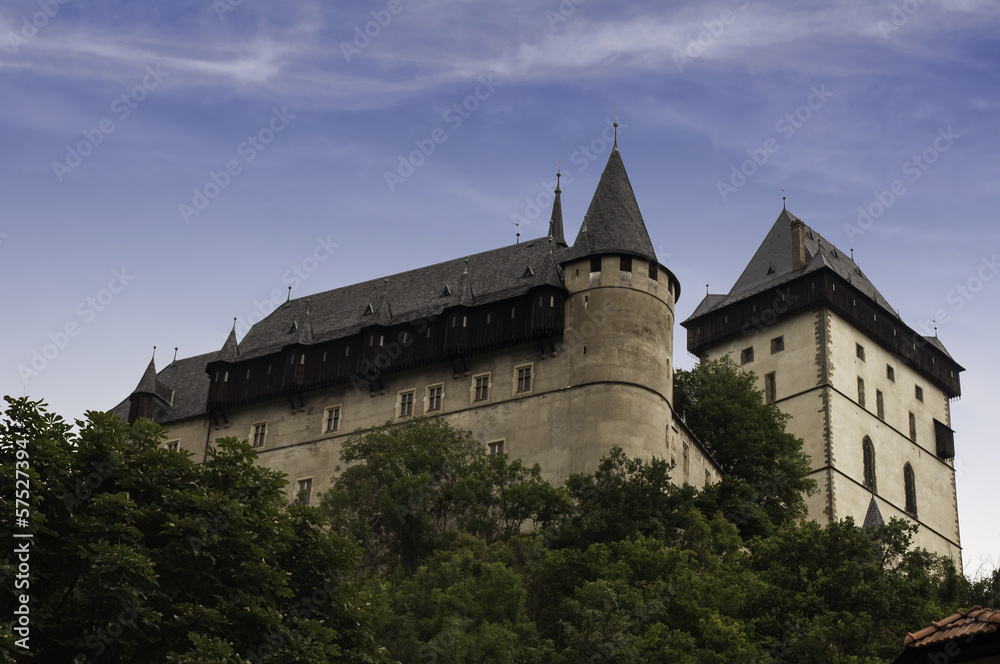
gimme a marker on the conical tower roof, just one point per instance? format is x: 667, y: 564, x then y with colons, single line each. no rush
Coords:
x: 147, y: 384
x: 231, y: 349
x: 556, y: 219
x: 613, y: 223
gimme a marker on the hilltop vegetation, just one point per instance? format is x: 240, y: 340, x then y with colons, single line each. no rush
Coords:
x: 429, y: 550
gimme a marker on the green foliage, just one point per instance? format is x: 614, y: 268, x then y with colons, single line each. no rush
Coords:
x: 765, y: 470
x: 408, y: 484
x: 140, y: 554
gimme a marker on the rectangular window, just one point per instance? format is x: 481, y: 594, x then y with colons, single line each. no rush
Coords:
x: 770, y: 389
x: 259, y: 433
x: 305, y: 491
x: 331, y: 419
x: 890, y: 373
x: 173, y: 445
x: 861, y: 391
x: 747, y: 355
x: 861, y: 352
x: 405, y: 404
x: 654, y: 271
x: 777, y: 345
x: 686, y: 459
x: 434, y: 393
x: 524, y: 379
x: 879, y: 404
x: 919, y: 392
x: 481, y: 387
x: 595, y: 263
x: 708, y: 477
x: 626, y: 263
x: 496, y: 447
x: 913, y: 427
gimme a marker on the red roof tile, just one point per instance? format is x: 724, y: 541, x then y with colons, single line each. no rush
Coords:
x: 974, y: 622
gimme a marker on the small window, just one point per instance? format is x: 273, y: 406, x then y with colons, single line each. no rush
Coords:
x: 777, y: 345
x: 747, y: 355
x: 331, y: 419
x: 496, y: 447
x: 686, y: 458
x: 879, y: 404
x: 910, y: 486
x: 481, y: 387
x: 861, y: 391
x: 434, y: 393
x: 913, y: 427
x: 405, y: 404
x: 770, y: 388
x: 919, y: 392
x: 626, y: 263
x: 708, y: 477
x: 259, y: 433
x: 305, y: 491
x: 890, y: 373
x: 595, y: 263
x: 860, y: 350
x: 524, y: 379
x: 173, y: 445
x: 868, y: 454
x: 654, y: 271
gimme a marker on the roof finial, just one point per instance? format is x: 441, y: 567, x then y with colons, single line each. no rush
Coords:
x: 616, y: 131
x: 706, y: 290
x: 935, y: 331
x: 852, y: 253
x: 558, y: 175
x: 175, y: 354
x: 234, y: 325
x: 289, y: 294
x: 517, y: 234
x: 783, y: 201
x: 154, y: 354
x: 307, y: 305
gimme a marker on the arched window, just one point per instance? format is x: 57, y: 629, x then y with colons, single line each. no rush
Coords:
x: 869, y: 456
x: 910, y: 487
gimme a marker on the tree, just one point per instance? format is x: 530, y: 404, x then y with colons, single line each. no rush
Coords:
x: 140, y: 554
x: 765, y: 470
x: 409, y: 484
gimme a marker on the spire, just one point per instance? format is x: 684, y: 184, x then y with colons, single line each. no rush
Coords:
x: 147, y: 384
x: 613, y: 224
x: 556, y: 220
x: 230, y: 349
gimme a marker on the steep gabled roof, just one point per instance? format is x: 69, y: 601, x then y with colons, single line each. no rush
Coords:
x: 556, y: 219
x: 405, y: 297
x: 771, y: 266
x: 613, y: 223
x: 189, y: 384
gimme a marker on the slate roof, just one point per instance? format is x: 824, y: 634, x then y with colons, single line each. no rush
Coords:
x: 771, y: 266
x: 874, y: 516
x: 613, y: 223
x: 189, y: 383
x: 966, y: 625
x: 482, y: 278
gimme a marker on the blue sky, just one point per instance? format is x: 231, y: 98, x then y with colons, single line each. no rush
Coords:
x: 169, y: 166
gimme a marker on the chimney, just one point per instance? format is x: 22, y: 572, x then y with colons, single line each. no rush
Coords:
x: 798, y: 244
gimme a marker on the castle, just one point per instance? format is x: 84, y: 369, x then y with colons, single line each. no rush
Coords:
x: 553, y: 353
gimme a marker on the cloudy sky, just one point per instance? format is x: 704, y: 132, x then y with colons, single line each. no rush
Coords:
x: 170, y: 166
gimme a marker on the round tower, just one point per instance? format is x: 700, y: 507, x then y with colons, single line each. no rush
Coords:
x: 618, y: 338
